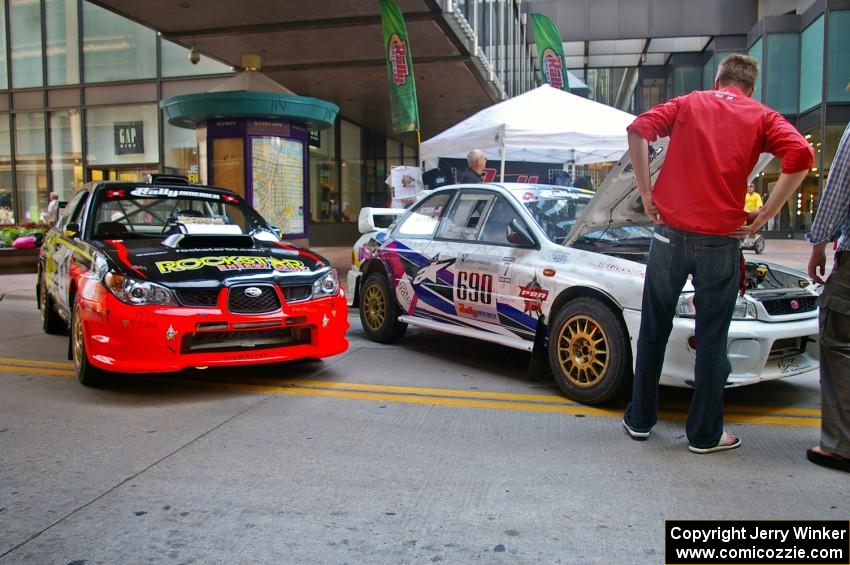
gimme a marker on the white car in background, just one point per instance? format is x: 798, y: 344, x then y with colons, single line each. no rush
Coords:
x: 560, y: 272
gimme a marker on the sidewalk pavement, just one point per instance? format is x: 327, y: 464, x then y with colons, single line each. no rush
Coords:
x: 789, y: 252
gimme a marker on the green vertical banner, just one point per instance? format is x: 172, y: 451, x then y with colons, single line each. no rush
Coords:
x: 550, y: 52
x: 399, y: 69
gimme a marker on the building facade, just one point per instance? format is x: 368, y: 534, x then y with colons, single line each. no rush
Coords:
x: 81, y: 81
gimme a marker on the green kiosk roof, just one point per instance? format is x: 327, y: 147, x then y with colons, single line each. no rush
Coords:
x: 188, y: 110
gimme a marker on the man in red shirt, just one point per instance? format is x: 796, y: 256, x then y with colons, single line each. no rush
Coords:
x: 697, y: 204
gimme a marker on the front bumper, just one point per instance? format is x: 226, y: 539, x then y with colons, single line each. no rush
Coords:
x: 752, y: 350
x: 141, y: 339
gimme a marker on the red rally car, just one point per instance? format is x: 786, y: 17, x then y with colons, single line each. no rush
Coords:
x: 154, y: 277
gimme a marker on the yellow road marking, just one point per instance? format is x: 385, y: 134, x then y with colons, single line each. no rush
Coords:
x: 762, y: 415
x: 36, y: 371
x: 33, y: 363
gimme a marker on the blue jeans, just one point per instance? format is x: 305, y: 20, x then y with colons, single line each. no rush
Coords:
x: 715, y: 264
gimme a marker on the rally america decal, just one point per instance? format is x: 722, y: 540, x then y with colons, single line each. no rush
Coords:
x: 162, y: 192
x: 231, y: 263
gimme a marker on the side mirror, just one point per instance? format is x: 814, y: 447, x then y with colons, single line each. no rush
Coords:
x: 518, y: 235
x: 72, y: 229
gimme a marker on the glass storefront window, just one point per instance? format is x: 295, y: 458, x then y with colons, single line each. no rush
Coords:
x: 324, y: 180
x: 25, y: 36
x: 833, y: 137
x: 115, y: 48
x: 7, y: 207
x: 66, y: 167
x: 393, y: 153
x: 122, y: 135
x: 4, y: 79
x: 755, y: 52
x: 228, y: 164
x: 685, y: 80
x: 811, y: 65
x: 175, y: 62
x: 838, y: 57
x: 63, y: 56
x: 782, y: 72
x: 181, y: 152
x: 410, y: 155
x: 352, y: 171
x: 31, y: 166
x: 709, y: 71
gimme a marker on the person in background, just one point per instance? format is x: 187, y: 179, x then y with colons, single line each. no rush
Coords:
x: 694, y: 232
x: 52, y: 208
x: 476, y: 162
x: 752, y: 202
x: 584, y: 182
x: 833, y: 217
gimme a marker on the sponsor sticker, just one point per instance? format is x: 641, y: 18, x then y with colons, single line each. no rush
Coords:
x: 164, y: 192
x: 560, y: 257
x: 231, y: 263
x: 466, y: 311
x: 534, y: 295
x: 405, y: 294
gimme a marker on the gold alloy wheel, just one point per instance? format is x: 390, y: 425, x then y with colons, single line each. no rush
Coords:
x: 374, y: 307
x: 583, y: 351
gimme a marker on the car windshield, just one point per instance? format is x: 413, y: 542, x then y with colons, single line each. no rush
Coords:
x: 160, y: 211
x: 555, y: 211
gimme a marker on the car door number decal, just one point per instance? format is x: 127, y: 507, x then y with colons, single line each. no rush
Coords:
x: 474, y: 287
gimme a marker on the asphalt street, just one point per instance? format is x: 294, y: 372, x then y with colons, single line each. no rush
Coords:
x: 436, y: 449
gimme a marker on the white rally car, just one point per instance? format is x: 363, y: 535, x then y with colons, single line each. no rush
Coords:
x: 560, y: 271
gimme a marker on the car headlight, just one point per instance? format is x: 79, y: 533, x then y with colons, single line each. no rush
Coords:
x: 136, y: 292
x: 326, y: 285
x: 99, y: 267
x: 744, y: 309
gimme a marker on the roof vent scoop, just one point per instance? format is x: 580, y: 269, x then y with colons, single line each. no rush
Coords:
x: 165, y: 178
x: 187, y: 241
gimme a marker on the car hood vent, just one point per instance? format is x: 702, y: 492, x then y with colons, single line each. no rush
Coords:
x: 184, y: 241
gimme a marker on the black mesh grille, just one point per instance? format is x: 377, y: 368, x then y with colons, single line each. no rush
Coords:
x: 780, y: 306
x: 294, y: 293
x: 241, y: 303
x: 198, y: 296
x: 246, y: 340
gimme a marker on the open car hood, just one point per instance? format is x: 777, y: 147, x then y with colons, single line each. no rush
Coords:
x: 617, y: 201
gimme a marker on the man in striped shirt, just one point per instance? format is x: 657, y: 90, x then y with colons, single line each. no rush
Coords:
x: 833, y: 218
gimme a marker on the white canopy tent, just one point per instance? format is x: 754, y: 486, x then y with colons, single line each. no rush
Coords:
x: 544, y: 125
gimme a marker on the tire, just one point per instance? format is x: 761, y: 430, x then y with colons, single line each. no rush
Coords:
x: 758, y: 245
x: 588, y: 351
x: 51, y: 322
x: 86, y: 373
x: 379, y: 311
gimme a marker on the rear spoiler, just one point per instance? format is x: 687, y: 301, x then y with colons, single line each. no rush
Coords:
x: 374, y: 219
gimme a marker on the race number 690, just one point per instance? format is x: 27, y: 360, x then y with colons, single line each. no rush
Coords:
x: 474, y: 287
